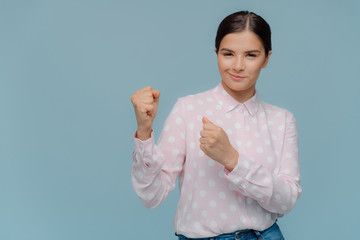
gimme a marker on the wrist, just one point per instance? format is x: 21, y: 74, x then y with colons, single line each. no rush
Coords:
x: 143, y: 134
x: 232, y: 160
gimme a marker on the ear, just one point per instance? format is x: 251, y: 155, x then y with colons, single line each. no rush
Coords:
x: 267, y: 59
x: 215, y: 51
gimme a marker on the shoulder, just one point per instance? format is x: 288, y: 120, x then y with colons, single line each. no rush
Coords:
x: 276, y: 112
x: 193, y: 100
x: 197, y: 96
x: 191, y: 107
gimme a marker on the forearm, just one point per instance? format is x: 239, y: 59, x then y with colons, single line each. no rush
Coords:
x: 273, y: 191
x: 146, y: 173
x: 156, y: 167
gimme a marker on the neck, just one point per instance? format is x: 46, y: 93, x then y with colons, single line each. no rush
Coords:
x: 240, y: 96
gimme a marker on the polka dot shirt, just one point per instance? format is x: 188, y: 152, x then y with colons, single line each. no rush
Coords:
x: 264, y: 185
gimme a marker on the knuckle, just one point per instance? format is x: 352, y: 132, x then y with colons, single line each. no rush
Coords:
x: 142, y: 109
x: 137, y: 93
x: 134, y: 96
x: 203, y: 147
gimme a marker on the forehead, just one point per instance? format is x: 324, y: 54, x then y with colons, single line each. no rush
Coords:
x: 241, y: 41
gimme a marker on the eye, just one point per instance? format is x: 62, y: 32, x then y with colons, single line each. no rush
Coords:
x: 251, y: 55
x: 227, y: 54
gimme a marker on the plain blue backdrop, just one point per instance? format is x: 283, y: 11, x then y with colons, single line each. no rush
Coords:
x: 68, y: 69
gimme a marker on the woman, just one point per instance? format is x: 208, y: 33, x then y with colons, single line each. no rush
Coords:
x: 237, y: 157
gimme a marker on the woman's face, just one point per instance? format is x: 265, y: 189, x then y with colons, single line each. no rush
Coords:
x: 241, y: 57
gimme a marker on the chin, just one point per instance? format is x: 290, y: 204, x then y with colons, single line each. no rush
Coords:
x: 238, y: 87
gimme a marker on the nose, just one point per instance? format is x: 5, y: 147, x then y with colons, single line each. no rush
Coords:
x: 239, y: 64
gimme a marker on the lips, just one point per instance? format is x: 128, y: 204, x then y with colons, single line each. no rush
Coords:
x: 236, y: 77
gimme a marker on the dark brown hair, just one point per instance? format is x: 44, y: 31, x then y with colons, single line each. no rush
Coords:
x: 241, y: 21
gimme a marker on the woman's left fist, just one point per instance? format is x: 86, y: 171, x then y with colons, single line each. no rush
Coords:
x: 214, y: 142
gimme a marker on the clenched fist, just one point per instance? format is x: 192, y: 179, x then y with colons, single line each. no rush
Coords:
x: 215, y: 143
x: 145, y: 102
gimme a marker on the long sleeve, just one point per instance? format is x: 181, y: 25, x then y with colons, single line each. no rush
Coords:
x: 276, y: 191
x: 264, y: 185
x: 156, y: 166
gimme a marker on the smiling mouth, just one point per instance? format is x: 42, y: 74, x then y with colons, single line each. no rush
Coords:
x: 236, y: 77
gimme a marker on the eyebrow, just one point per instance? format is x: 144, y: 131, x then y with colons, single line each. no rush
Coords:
x: 250, y: 51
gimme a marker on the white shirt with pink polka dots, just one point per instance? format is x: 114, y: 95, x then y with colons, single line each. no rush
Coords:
x: 264, y: 185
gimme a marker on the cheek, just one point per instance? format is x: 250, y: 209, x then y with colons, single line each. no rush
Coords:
x: 255, y: 68
x: 223, y: 64
x: 220, y: 66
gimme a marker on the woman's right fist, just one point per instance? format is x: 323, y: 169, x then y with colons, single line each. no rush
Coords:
x: 145, y: 102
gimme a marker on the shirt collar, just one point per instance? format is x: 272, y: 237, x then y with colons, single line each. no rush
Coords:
x: 230, y: 104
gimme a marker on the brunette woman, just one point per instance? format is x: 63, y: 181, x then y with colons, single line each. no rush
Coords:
x: 236, y: 156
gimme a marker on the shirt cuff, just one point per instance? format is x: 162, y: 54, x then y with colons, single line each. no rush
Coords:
x: 137, y: 140
x: 238, y: 174
x: 145, y: 153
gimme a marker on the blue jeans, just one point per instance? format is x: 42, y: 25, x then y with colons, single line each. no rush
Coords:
x: 272, y: 233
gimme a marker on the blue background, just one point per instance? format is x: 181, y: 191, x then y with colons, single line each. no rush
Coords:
x: 68, y: 69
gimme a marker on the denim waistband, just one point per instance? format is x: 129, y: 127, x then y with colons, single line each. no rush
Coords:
x: 250, y: 234
x: 219, y: 237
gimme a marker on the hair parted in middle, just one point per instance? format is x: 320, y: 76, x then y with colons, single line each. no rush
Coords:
x: 242, y: 21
